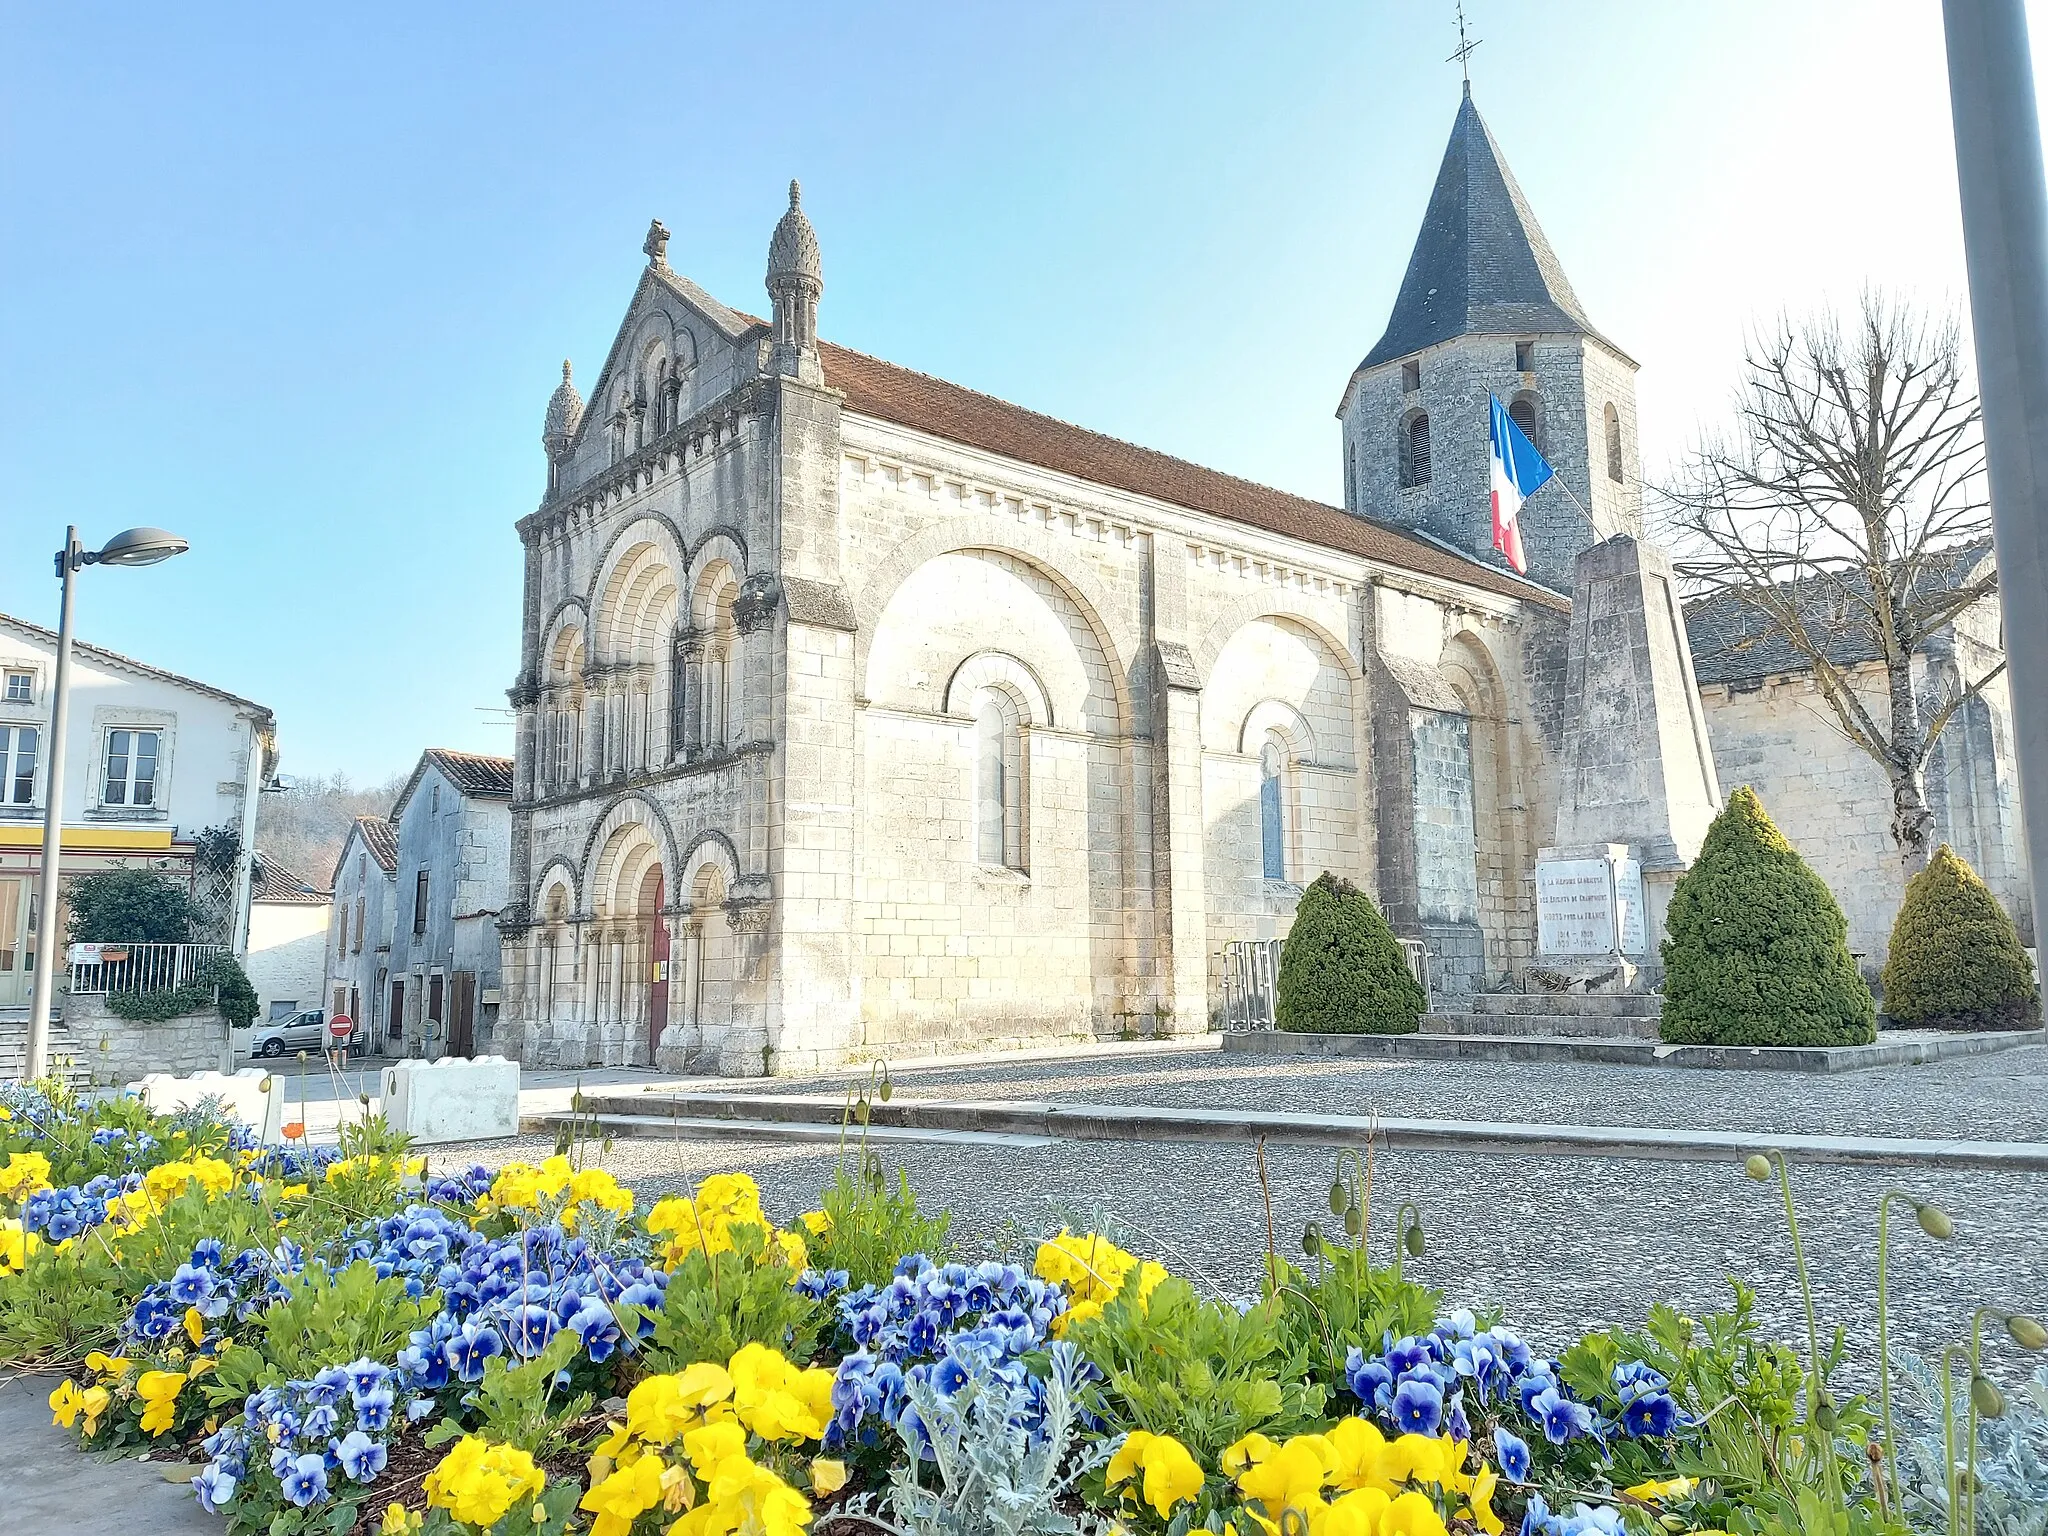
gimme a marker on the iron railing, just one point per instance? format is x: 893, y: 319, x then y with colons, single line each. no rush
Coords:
x: 97, y: 969
x: 1251, y: 976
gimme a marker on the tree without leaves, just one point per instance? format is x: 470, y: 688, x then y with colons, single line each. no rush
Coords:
x: 1835, y: 518
x: 303, y: 827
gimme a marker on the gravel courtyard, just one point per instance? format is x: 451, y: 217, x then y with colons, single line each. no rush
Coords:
x: 1556, y: 1244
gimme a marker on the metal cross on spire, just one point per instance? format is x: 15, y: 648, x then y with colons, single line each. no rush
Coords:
x: 1462, y: 54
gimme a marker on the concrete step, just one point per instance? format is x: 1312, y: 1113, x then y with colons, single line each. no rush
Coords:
x: 1554, y: 1026
x: 812, y: 1132
x: 64, y: 1050
x: 1604, y: 1005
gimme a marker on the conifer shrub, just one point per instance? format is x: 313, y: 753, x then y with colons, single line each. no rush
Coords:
x: 1955, y: 960
x: 1756, y: 948
x: 1342, y: 971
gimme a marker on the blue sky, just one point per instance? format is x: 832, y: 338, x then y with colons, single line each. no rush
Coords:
x: 296, y: 281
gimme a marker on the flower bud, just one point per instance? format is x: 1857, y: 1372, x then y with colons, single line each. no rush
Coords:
x: 1312, y: 1239
x: 1986, y: 1398
x: 1354, y: 1221
x: 888, y: 1089
x: 1934, y: 1221
x: 860, y: 1110
x: 1825, y: 1416
x: 1757, y: 1166
x: 1340, y: 1202
x: 2027, y: 1332
x: 1415, y: 1243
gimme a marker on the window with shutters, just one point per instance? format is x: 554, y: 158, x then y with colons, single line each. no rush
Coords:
x: 359, y: 925
x: 419, y: 904
x: 341, y: 934
x: 1414, y: 447
x: 1613, y: 443
x: 1526, y: 411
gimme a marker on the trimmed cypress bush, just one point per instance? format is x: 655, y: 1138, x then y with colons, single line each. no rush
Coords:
x: 1955, y: 960
x: 1755, y: 947
x: 1342, y: 971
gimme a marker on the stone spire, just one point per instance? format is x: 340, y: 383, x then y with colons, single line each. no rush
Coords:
x: 1481, y: 265
x: 796, y: 279
x: 565, y: 415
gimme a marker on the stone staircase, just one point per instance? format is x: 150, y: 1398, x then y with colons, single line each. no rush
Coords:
x: 64, y: 1052
x: 1546, y: 1015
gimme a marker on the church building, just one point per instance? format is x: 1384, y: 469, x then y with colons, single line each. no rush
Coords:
x: 861, y: 713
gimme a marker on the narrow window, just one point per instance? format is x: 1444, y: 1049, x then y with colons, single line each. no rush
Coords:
x: 1523, y: 414
x: 1411, y: 376
x: 419, y: 904
x: 21, y: 687
x: 678, y: 696
x: 1613, y: 443
x: 359, y: 925
x: 1415, y: 450
x: 434, y: 799
x: 999, y: 784
x: 1272, y: 816
x: 341, y: 935
x: 18, y: 746
x: 1525, y: 357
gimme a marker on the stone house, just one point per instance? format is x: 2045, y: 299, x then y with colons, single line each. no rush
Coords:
x: 452, y: 825
x: 287, y: 958
x: 859, y: 712
x: 358, y: 959
x: 154, y: 761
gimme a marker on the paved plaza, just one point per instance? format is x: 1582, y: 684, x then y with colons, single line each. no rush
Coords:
x: 1555, y: 1244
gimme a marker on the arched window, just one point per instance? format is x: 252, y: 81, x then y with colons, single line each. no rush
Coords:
x: 1273, y: 809
x: 678, y: 691
x: 1613, y: 443
x: 999, y: 781
x: 1524, y: 415
x: 1415, y: 449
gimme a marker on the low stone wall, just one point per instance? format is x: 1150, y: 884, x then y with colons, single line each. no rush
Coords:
x: 115, y: 1051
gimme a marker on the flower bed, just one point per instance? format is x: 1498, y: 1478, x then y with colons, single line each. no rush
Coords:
x: 340, y: 1339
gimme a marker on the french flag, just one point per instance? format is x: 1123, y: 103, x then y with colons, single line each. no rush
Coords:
x: 1519, y: 472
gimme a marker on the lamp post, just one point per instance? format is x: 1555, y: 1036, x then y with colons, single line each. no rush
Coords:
x: 137, y: 546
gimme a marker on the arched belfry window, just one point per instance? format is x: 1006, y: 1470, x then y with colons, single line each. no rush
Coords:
x: 1613, y: 443
x: 999, y: 780
x: 1523, y: 412
x: 1273, y: 809
x: 1415, y: 449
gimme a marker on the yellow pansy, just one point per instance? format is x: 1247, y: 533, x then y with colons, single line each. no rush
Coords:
x: 16, y: 1245
x: 828, y: 1475
x: 713, y: 1445
x: 1480, y: 1497
x: 159, y: 1392
x: 479, y: 1480
x: 107, y: 1367
x: 817, y: 1223
x: 1291, y: 1477
x: 1249, y: 1451
x: 1359, y: 1456
x: 1412, y: 1514
x: 624, y: 1496
x: 1357, y: 1513
x: 24, y: 1174
x: 1655, y: 1492
x: 399, y: 1521
x: 776, y: 1400
x: 1171, y: 1475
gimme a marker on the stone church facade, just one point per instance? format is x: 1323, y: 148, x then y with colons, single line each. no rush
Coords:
x: 860, y: 713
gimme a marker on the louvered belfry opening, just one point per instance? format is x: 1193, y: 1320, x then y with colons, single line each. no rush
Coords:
x: 1415, y: 450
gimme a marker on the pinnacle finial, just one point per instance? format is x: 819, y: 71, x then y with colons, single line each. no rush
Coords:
x: 656, y: 243
x: 796, y: 194
x: 565, y: 370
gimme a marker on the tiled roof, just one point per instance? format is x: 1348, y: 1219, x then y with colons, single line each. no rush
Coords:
x: 919, y: 401
x: 130, y: 664
x: 1733, y: 642
x: 487, y: 778
x: 473, y: 773
x: 275, y: 883
x: 381, y: 838
x: 1481, y: 265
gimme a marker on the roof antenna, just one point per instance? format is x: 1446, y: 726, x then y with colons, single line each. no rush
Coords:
x: 1462, y: 54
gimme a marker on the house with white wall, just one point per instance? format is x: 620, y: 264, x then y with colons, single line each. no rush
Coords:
x: 154, y: 761
x: 288, y: 921
x: 358, y: 955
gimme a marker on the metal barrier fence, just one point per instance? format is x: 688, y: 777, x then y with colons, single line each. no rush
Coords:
x: 1251, y: 976
x: 103, y: 968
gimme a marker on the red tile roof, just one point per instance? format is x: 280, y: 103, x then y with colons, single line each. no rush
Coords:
x: 275, y: 883
x: 381, y: 838
x: 919, y: 401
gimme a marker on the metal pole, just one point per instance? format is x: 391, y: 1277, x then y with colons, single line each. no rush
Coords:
x: 53, y: 824
x: 2005, y: 242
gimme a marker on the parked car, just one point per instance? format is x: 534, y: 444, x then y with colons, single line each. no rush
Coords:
x: 305, y: 1030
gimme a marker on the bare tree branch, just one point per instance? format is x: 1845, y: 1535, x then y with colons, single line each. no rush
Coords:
x: 1845, y: 517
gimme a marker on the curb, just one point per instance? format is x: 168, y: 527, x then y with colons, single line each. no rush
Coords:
x: 798, y: 1116
x: 1816, y: 1060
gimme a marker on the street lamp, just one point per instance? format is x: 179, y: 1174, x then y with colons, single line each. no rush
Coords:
x: 137, y: 546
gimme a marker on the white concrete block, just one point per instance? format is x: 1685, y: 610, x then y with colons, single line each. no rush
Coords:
x: 453, y: 1100
x: 252, y: 1095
